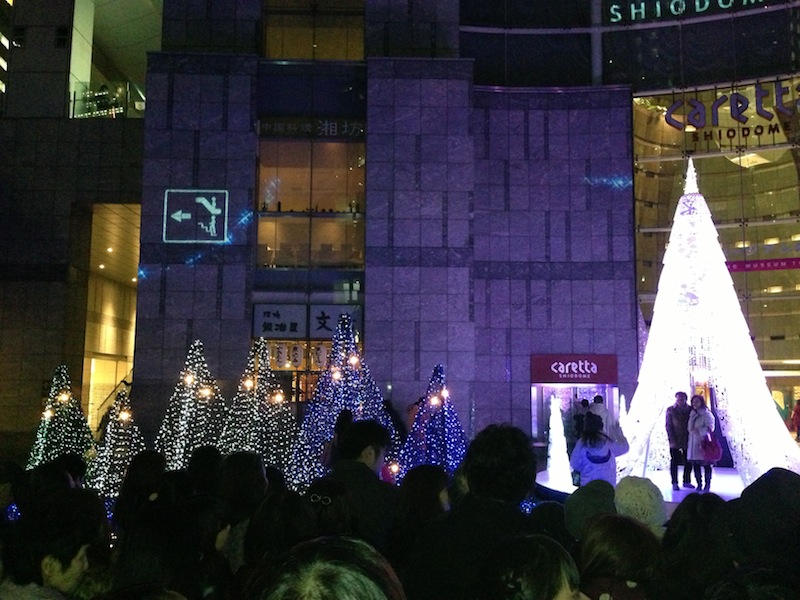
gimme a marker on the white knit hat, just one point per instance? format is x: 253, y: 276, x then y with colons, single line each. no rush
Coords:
x: 640, y: 498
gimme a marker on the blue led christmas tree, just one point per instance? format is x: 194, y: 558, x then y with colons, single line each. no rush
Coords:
x: 195, y: 414
x: 63, y: 428
x: 346, y: 383
x: 121, y: 441
x: 259, y: 419
x: 436, y: 436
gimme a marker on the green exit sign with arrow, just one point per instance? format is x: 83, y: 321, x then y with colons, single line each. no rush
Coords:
x: 195, y: 216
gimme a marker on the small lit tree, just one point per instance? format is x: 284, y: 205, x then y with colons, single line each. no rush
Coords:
x: 121, y: 441
x: 346, y: 383
x: 436, y: 436
x: 195, y: 414
x: 63, y: 428
x: 259, y: 419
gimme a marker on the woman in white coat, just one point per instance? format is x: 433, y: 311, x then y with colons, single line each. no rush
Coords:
x: 701, y: 424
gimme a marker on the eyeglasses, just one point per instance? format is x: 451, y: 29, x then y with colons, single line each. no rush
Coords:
x: 317, y: 499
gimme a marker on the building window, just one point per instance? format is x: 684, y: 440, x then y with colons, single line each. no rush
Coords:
x: 311, y: 203
x: 314, y: 29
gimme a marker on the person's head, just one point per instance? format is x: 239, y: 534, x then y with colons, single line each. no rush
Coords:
x: 366, y: 442
x: 203, y: 469
x: 593, y: 429
x: 586, y: 503
x: 528, y: 567
x: 331, y: 503
x: 620, y: 547
x: 143, y: 479
x: 696, y: 527
x: 500, y: 464
x: 423, y: 494
x: 48, y: 545
x: 598, y: 399
x: 283, y: 519
x: 74, y: 465
x: 772, y: 583
x: 585, y: 403
x: 640, y: 498
x: 698, y: 402
x: 680, y: 398
x: 343, y: 420
x: 243, y: 483
x: 334, y: 568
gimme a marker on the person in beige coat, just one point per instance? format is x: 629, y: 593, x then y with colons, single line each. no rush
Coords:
x: 701, y: 424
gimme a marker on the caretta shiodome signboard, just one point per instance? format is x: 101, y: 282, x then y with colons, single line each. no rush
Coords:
x: 574, y: 368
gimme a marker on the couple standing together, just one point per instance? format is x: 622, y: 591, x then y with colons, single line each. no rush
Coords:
x: 687, y: 427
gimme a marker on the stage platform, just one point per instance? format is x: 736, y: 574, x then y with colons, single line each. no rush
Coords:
x: 724, y: 483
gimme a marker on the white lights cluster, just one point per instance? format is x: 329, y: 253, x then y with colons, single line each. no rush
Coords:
x: 436, y: 436
x: 195, y: 414
x: 258, y: 420
x: 346, y: 383
x: 120, y: 442
x: 699, y: 340
x: 62, y: 428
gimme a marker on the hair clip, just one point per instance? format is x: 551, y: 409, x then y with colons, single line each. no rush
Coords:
x: 324, y: 500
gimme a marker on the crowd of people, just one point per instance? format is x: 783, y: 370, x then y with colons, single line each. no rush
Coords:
x: 228, y: 528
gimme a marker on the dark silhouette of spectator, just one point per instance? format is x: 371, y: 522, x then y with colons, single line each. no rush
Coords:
x: 46, y: 551
x: 283, y: 519
x: 757, y: 584
x: 361, y: 455
x: 586, y: 503
x: 500, y: 467
x: 243, y: 485
x: 423, y: 497
x: 621, y: 558
x: 527, y: 567
x: 275, y: 478
x: 143, y: 483
x: 549, y: 518
x: 334, y: 568
x: 330, y: 451
x: 332, y: 506
x: 696, y: 528
x: 764, y: 527
x: 203, y: 469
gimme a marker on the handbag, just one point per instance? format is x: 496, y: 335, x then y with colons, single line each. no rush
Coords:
x: 710, y: 448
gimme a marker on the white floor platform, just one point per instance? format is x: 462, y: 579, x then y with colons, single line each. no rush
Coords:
x: 724, y: 482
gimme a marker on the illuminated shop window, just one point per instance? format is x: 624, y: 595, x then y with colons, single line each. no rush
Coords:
x: 314, y: 29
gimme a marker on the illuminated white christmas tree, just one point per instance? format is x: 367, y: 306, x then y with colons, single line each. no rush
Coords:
x: 63, y: 428
x: 346, y: 383
x: 699, y: 339
x: 121, y: 441
x: 195, y: 414
x: 558, y: 468
x: 436, y: 436
x: 259, y: 419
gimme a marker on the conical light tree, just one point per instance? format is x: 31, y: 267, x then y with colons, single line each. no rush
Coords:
x: 122, y: 440
x: 259, y: 419
x: 699, y: 339
x: 346, y: 383
x: 195, y: 414
x: 436, y: 436
x: 558, y: 468
x: 63, y: 427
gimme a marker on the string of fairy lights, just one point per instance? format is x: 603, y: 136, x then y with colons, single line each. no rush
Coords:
x: 258, y: 419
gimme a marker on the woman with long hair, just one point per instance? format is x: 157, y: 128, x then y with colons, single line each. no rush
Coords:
x: 701, y: 425
x: 594, y: 455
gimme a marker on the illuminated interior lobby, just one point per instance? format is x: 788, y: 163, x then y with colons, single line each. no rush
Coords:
x: 486, y: 185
